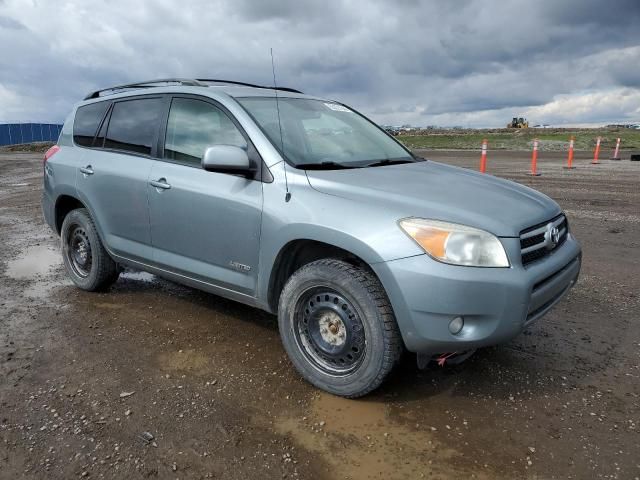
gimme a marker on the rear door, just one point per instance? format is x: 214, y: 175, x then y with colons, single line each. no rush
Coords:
x: 205, y: 225
x: 113, y: 176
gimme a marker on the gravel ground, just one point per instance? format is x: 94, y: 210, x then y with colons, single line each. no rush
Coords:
x: 152, y: 379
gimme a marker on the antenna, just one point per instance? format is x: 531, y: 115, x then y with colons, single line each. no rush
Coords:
x: 287, y: 196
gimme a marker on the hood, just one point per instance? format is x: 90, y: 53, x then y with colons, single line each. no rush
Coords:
x: 441, y: 192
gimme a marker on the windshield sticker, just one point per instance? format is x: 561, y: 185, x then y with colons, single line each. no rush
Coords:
x: 337, y: 108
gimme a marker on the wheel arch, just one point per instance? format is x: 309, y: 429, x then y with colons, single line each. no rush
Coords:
x: 64, y: 205
x: 299, y: 252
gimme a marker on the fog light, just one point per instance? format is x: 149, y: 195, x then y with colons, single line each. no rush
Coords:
x: 456, y: 325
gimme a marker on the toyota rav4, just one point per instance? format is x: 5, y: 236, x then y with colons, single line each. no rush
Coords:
x: 303, y: 207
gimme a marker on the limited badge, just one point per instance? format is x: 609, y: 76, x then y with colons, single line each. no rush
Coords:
x: 239, y: 266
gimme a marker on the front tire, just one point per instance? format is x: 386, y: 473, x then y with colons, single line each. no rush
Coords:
x: 85, y: 258
x: 338, y: 327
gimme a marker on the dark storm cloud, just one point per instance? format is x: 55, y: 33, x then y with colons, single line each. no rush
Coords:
x: 407, y: 61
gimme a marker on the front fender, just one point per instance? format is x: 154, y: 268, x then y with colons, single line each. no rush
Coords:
x: 372, y: 234
x: 272, y: 252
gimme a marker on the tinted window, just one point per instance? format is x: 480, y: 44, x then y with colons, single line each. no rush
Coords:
x: 133, y: 125
x: 86, y: 123
x: 195, y: 125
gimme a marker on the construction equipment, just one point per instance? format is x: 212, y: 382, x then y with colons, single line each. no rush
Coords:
x: 518, y: 122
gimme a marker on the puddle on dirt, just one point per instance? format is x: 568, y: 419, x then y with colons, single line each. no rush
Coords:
x: 138, y: 276
x: 37, y: 264
x: 33, y: 262
x: 357, y: 438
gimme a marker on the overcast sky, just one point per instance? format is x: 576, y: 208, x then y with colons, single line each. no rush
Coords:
x: 468, y: 63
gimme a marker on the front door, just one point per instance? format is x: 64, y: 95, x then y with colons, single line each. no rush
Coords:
x: 204, y: 225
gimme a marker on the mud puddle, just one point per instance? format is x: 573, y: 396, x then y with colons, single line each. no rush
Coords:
x: 359, y: 440
x: 33, y: 262
x: 138, y: 276
x: 38, y: 265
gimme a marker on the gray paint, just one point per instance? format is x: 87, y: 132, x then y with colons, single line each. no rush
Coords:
x: 223, y: 233
x: 227, y: 157
x: 205, y: 221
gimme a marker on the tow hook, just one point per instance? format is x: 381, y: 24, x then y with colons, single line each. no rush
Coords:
x: 452, y: 358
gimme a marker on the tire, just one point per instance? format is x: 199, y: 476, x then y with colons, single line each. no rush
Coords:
x: 85, y: 258
x: 338, y: 327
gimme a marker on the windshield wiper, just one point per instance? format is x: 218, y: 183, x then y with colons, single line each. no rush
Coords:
x: 323, y: 166
x: 389, y: 161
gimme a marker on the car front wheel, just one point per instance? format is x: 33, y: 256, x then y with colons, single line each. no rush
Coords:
x: 338, y: 328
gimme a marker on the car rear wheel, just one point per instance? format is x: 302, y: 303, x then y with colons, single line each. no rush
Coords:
x: 85, y: 258
x: 338, y: 328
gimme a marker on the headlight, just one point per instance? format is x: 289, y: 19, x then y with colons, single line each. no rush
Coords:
x: 456, y: 244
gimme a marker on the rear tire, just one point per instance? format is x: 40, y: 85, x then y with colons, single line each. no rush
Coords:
x: 338, y: 327
x: 85, y: 258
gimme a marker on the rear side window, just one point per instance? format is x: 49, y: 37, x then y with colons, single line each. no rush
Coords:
x: 193, y: 126
x: 133, y: 125
x: 88, y: 118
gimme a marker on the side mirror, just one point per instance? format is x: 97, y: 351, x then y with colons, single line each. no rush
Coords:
x: 227, y: 159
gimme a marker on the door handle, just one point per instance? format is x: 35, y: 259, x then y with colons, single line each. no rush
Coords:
x: 160, y: 183
x: 88, y: 170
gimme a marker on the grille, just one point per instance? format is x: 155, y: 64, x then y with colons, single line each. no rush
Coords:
x: 536, y: 242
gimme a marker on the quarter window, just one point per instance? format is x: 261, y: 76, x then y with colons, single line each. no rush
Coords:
x: 193, y: 126
x: 86, y: 123
x: 133, y: 125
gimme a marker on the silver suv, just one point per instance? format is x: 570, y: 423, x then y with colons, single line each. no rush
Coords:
x: 303, y: 207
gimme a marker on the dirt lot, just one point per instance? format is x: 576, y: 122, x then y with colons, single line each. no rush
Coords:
x: 83, y: 375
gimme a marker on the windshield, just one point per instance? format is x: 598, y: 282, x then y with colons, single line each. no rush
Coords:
x: 320, y: 134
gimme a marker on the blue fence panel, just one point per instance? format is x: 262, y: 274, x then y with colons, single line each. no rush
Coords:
x: 17, y: 133
x: 29, y: 134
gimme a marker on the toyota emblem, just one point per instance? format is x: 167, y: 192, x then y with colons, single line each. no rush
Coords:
x: 552, y: 236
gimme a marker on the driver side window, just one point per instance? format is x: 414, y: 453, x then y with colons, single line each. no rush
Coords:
x: 194, y: 125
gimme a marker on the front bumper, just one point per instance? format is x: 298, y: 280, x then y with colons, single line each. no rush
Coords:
x: 496, y: 303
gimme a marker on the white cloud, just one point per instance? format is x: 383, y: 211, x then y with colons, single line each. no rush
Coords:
x: 621, y: 104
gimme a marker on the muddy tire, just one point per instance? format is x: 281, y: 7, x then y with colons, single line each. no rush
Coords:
x: 85, y: 258
x: 338, y: 328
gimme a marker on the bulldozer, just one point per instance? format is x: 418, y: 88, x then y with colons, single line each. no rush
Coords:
x: 518, y: 122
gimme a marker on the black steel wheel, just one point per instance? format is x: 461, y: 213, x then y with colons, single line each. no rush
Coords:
x: 329, y: 331
x: 79, y: 251
x: 87, y: 262
x: 338, y: 327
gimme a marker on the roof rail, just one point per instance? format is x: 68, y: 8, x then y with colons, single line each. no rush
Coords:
x: 243, y: 84
x: 146, y: 84
x: 199, y: 82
